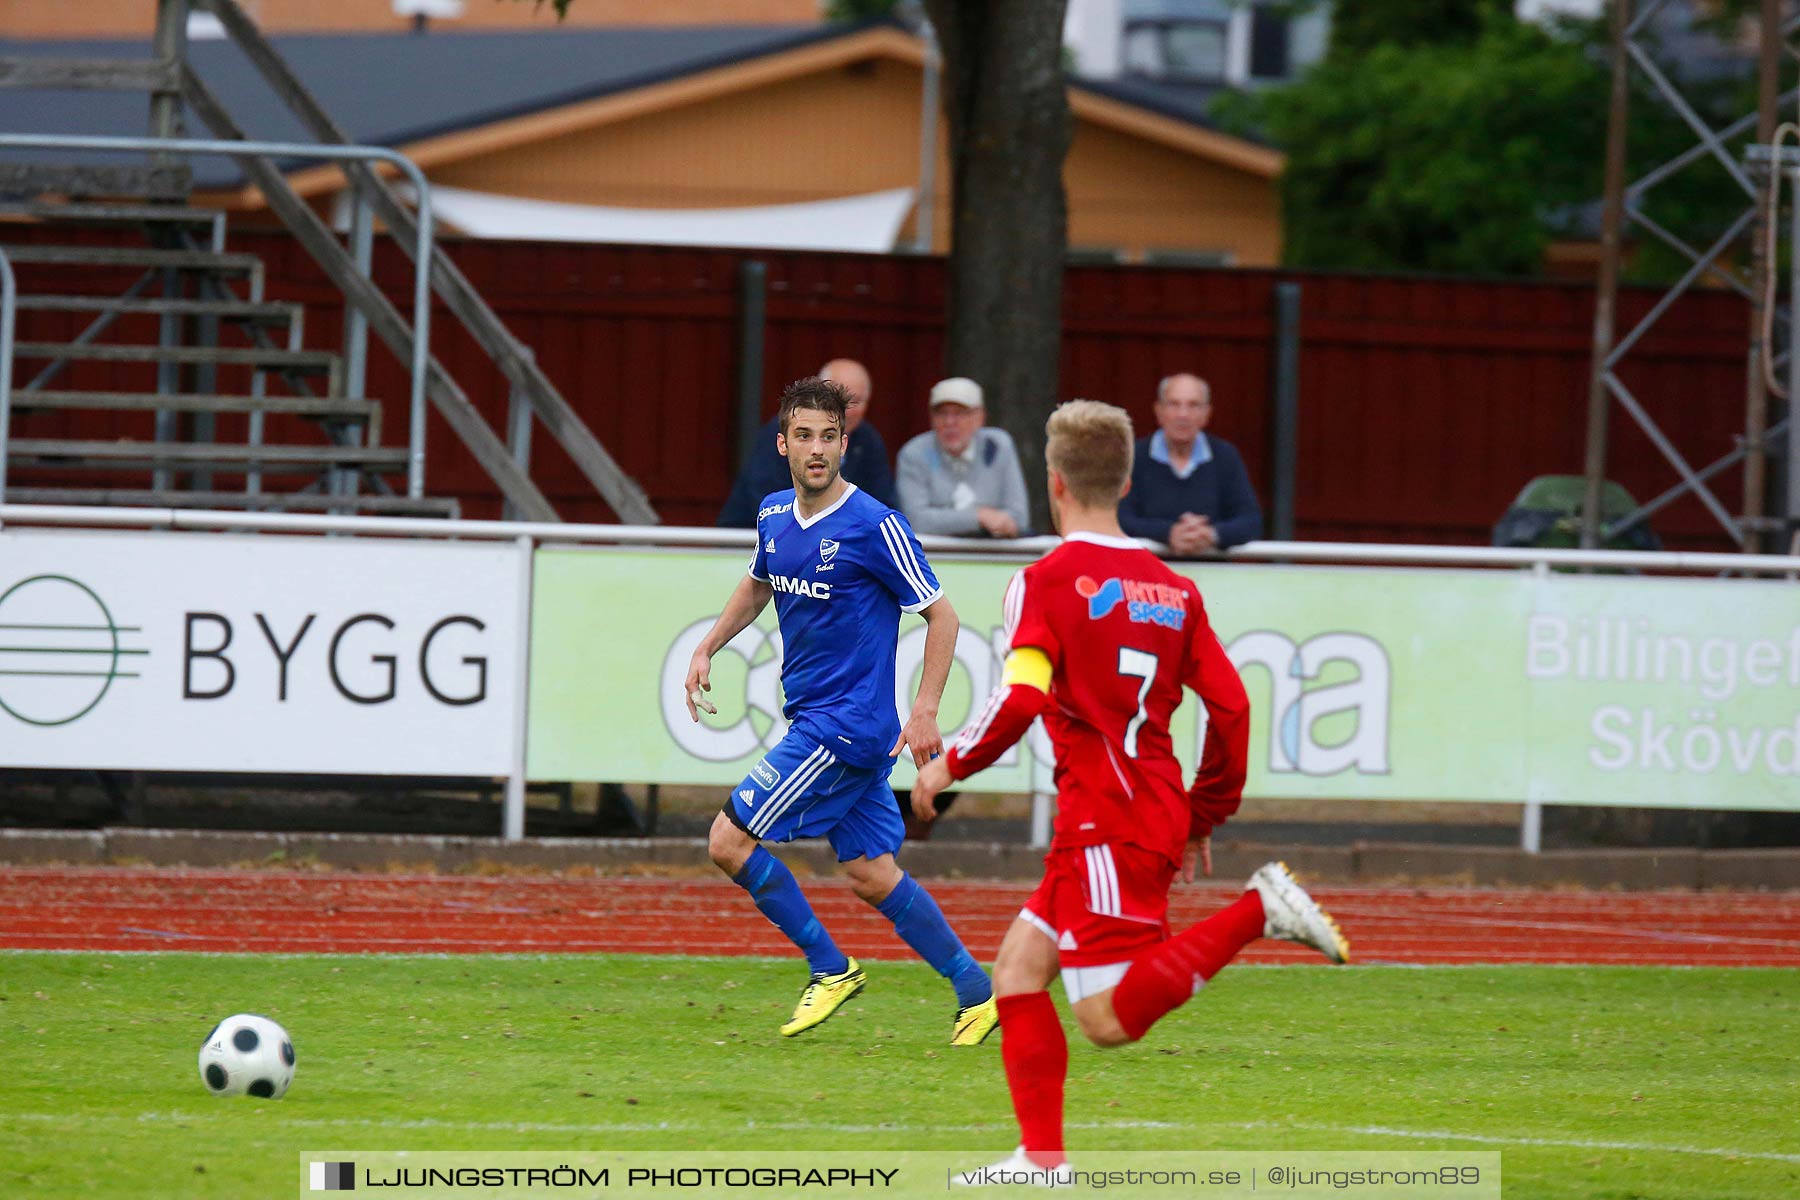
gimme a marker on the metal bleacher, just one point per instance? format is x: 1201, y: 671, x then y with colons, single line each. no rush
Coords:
x: 192, y: 313
x: 151, y: 368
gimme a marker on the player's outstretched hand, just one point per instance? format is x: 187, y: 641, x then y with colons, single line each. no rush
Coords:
x: 1198, y: 851
x: 934, y: 777
x: 922, y: 737
x: 698, y: 683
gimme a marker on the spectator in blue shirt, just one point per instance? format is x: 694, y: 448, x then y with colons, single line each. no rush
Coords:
x: 1189, y: 491
x: 865, y: 454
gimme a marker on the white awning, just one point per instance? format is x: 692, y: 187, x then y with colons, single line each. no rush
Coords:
x: 869, y: 222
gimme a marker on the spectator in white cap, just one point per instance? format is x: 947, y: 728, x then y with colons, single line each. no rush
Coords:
x: 962, y: 479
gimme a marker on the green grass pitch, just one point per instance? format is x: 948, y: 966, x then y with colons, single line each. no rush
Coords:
x: 1595, y: 1083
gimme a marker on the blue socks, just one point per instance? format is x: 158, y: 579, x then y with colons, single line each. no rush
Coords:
x: 920, y: 923
x: 778, y: 895
x: 916, y: 917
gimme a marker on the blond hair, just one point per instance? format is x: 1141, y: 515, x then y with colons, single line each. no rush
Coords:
x: 1090, y: 446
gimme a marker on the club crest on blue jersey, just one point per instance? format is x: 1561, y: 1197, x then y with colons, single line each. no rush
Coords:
x: 827, y: 551
x: 1146, y: 603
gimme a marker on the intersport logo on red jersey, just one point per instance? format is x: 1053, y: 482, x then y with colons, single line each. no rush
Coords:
x: 1146, y: 603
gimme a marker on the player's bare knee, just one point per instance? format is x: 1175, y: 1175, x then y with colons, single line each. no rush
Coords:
x: 873, y: 880
x: 729, y: 846
x: 867, y: 890
x: 1027, y: 961
x: 1015, y: 978
x: 1099, y: 1024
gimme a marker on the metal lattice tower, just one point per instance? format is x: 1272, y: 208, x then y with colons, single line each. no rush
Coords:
x: 1634, y: 26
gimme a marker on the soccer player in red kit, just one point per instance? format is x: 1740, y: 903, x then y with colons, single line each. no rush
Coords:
x: 1104, y: 637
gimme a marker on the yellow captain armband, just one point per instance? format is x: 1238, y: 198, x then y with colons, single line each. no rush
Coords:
x: 1030, y: 666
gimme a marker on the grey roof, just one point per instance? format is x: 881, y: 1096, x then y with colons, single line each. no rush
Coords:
x: 389, y: 89
x: 1183, y: 101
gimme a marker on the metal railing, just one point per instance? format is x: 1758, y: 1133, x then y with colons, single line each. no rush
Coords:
x: 527, y: 535
x: 421, y: 330
x: 949, y: 548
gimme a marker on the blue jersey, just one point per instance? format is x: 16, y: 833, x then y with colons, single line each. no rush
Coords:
x: 841, y: 580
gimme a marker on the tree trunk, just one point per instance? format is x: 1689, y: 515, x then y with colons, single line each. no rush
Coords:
x: 1006, y: 100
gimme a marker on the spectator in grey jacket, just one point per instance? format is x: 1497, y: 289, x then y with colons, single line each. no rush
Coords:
x: 962, y: 479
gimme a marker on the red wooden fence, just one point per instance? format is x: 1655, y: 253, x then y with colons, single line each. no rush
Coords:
x: 1425, y: 404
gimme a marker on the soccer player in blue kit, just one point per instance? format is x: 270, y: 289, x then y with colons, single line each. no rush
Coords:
x: 841, y: 567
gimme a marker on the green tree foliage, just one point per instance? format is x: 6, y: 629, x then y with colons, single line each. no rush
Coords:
x: 1439, y: 157
x: 1445, y: 135
x: 1361, y: 26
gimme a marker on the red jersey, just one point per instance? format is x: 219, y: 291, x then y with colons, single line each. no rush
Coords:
x: 1124, y: 634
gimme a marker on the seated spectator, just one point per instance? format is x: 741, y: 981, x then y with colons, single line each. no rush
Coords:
x: 962, y: 479
x: 1189, y: 491
x: 865, y: 454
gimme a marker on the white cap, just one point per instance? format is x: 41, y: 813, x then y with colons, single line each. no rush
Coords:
x: 957, y: 389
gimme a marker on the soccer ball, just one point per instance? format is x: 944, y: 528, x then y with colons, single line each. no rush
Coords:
x: 247, y: 1055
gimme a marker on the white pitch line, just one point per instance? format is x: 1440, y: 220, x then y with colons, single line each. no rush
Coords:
x: 1656, y: 935
x: 1440, y: 1135
x: 1423, y: 1135
x: 548, y: 1127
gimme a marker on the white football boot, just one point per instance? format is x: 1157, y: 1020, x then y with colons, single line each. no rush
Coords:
x: 1293, y: 916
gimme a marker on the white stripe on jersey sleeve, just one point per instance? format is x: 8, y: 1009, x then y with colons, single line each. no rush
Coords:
x: 1013, y: 606
x: 906, y: 548
x: 896, y: 541
x: 977, y: 729
x: 900, y: 550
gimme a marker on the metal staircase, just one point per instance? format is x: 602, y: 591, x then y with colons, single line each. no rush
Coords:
x: 219, y: 343
x: 194, y: 314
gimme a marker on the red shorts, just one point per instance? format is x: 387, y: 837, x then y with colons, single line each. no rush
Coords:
x: 1102, y: 904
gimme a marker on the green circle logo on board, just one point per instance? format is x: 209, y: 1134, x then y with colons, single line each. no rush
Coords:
x: 60, y: 650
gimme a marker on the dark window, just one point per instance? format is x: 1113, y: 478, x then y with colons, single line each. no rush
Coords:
x: 1268, y: 43
x: 1176, y: 49
x: 1195, y: 49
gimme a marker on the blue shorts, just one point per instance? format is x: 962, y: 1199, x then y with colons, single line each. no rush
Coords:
x: 800, y: 789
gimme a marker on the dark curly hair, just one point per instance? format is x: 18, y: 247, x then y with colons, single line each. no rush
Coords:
x: 815, y: 393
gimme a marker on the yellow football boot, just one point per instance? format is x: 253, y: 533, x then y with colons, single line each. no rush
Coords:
x: 824, y: 995
x: 974, y: 1023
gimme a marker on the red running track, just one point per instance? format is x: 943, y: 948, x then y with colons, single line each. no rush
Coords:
x: 60, y: 908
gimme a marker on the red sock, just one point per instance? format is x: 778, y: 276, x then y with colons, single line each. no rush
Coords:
x: 1037, y: 1060
x: 1164, y: 979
